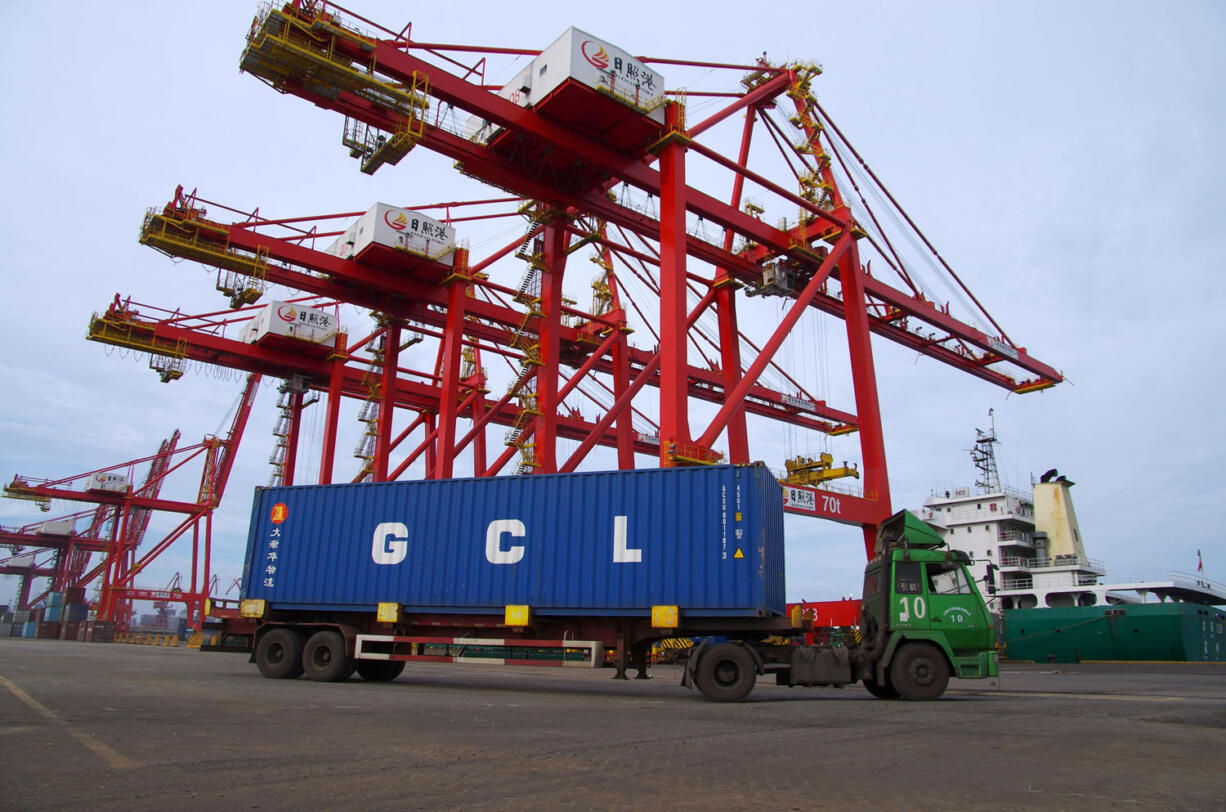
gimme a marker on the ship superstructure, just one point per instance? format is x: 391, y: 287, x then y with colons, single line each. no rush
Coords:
x: 1028, y: 548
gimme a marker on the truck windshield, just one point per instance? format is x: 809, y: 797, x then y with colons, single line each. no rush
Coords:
x: 947, y: 579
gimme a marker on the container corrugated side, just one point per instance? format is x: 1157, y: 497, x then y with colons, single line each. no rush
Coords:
x: 706, y: 539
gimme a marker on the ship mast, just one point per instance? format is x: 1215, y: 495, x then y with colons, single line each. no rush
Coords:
x: 983, y: 454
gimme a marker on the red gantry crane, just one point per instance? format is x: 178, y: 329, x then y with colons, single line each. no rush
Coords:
x: 118, y: 523
x: 590, y: 149
x: 68, y: 543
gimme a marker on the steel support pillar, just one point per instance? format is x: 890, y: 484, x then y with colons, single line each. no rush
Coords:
x: 291, y: 442
x: 431, y: 445
x: 23, y: 591
x: 335, y: 380
x: 387, y: 400
x: 674, y: 383
x: 864, y: 378
x: 478, y: 413
x: 555, y: 239
x: 625, y: 422
x: 725, y: 310
x: 451, y: 358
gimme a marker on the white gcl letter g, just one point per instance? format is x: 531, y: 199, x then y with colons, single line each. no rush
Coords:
x: 390, y: 544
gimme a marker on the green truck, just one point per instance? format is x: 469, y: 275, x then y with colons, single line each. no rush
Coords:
x: 922, y: 621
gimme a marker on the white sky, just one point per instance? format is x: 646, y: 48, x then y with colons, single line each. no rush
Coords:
x: 1061, y: 156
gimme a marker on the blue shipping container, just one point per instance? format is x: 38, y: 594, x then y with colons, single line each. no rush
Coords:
x: 53, y: 613
x: 706, y: 539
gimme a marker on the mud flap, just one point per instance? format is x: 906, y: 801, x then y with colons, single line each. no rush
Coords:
x: 691, y: 662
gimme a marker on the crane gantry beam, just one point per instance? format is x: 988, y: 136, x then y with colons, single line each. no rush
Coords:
x: 392, y: 61
x: 183, y: 232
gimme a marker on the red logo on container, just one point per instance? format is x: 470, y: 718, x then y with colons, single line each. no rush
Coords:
x: 279, y: 513
x: 287, y: 313
x: 599, y: 58
x: 400, y: 223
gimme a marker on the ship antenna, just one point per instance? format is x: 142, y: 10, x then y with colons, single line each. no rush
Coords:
x: 984, y: 456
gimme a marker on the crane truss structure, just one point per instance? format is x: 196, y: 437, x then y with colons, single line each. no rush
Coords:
x: 612, y: 167
x: 63, y: 549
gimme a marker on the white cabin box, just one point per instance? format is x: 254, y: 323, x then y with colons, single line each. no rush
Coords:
x: 401, y: 229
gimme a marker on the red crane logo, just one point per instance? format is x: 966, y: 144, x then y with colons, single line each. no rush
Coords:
x: 400, y: 223
x: 600, y: 58
x: 287, y: 313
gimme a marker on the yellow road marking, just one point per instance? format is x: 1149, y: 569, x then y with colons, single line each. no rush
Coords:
x: 115, y: 759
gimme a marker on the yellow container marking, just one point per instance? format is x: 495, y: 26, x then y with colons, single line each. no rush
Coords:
x: 664, y: 617
x: 518, y: 615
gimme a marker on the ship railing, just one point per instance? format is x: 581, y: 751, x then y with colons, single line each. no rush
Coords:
x: 1016, y: 583
x: 1010, y: 511
x: 1018, y: 494
x: 1081, y: 562
x: 1015, y: 537
x: 1183, y: 579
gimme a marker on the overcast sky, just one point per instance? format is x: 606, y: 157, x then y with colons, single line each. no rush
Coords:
x: 1063, y: 158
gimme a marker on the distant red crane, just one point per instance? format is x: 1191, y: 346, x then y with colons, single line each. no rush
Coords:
x: 126, y: 512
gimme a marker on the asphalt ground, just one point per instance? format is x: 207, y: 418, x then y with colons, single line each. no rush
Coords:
x: 125, y: 727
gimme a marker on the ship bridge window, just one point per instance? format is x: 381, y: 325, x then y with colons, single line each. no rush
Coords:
x: 947, y: 579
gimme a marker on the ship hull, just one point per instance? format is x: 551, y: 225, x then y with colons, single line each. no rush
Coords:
x: 1158, y: 632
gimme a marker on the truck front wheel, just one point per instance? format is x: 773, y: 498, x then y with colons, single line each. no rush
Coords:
x: 324, y: 657
x: 881, y: 690
x: 919, y: 671
x: 279, y: 654
x: 725, y: 673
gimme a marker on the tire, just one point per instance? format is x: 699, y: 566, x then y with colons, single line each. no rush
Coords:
x: 324, y: 658
x: 380, y: 670
x: 881, y: 690
x: 725, y: 673
x: 279, y: 654
x: 919, y: 671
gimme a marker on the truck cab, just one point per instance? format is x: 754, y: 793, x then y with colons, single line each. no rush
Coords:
x: 923, y: 619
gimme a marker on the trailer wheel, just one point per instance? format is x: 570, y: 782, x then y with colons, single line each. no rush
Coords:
x: 279, y: 654
x: 324, y: 657
x: 380, y: 670
x: 725, y: 673
x: 881, y: 690
x: 919, y: 671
